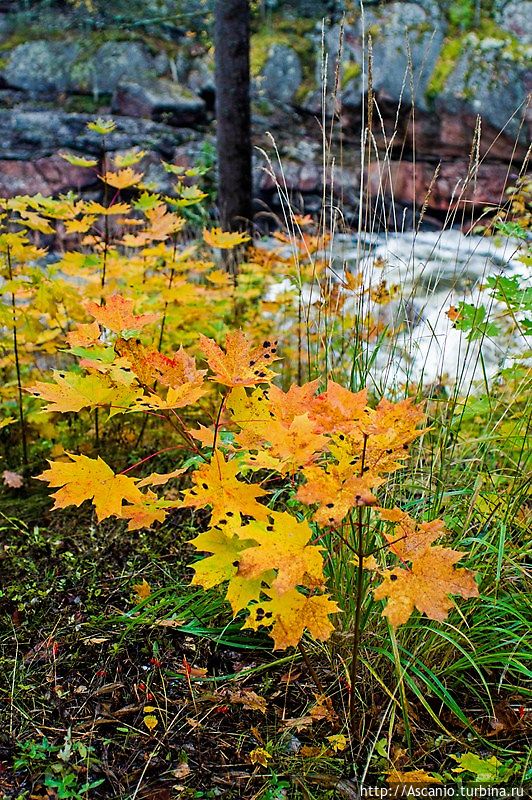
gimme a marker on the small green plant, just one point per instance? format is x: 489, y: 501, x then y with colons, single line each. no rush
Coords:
x: 62, y: 768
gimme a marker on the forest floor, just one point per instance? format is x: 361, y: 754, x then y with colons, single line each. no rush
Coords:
x: 114, y: 681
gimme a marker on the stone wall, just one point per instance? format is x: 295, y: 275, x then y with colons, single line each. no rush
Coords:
x: 431, y: 83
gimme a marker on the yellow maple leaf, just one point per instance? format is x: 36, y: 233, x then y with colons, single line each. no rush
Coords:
x: 337, y: 742
x: 73, y: 392
x: 260, y: 756
x: 282, y: 545
x: 85, y: 478
x: 222, y: 566
x: 290, y: 614
x: 216, y: 485
x: 151, y: 722
x: 92, y: 207
x: 413, y: 776
x: 224, y: 240
x: 159, y: 479
x: 142, y: 590
x: 80, y: 225
x: 122, y: 179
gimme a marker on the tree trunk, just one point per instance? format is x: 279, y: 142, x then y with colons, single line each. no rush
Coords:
x: 233, y: 116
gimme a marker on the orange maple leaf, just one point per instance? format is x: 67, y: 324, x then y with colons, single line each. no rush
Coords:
x: 84, y: 335
x: 241, y: 364
x: 426, y: 586
x: 117, y: 315
x: 336, y: 492
x: 339, y: 410
x: 150, y: 365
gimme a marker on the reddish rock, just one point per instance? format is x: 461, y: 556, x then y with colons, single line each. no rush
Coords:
x: 452, y: 136
x: 408, y: 182
x: 49, y: 176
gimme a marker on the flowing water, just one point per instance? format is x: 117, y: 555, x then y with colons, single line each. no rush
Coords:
x: 434, y: 271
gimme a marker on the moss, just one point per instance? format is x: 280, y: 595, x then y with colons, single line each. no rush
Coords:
x: 304, y: 90
x: 450, y: 53
x: 511, y: 50
x: 84, y: 103
x: 351, y: 71
x: 293, y: 33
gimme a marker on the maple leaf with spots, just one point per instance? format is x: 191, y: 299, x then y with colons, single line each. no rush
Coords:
x: 223, y: 566
x: 284, y: 443
x: 427, y: 586
x: 83, y: 478
x: 290, y: 614
x: 117, y: 315
x: 282, y: 544
x: 336, y: 492
x: 241, y: 364
x: 215, y: 484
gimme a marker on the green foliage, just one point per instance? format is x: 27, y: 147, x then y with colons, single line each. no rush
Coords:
x: 62, y: 767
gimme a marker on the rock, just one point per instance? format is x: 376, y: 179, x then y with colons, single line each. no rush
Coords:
x: 450, y: 136
x: 200, y: 79
x: 409, y: 183
x: 60, y: 66
x: 5, y: 27
x: 40, y: 66
x: 114, y: 63
x: 161, y: 100
x: 516, y: 18
x: 33, y: 135
x: 282, y: 75
x: 489, y: 79
x: 47, y: 176
x: 406, y: 42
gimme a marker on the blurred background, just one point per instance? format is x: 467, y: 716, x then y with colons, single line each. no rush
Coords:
x: 450, y: 79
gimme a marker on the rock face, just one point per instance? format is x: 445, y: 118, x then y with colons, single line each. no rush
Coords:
x: 32, y: 135
x: 48, y: 176
x: 405, y: 40
x: 31, y: 143
x: 114, y: 62
x: 40, y: 67
x: 159, y: 84
x: 489, y: 79
x: 516, y: 18
x: 52, y: 67
x: 161, y: 100
x: 281, y: 75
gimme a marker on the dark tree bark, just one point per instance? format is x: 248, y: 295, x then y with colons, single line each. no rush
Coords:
x: 231, y: 38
